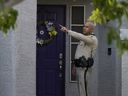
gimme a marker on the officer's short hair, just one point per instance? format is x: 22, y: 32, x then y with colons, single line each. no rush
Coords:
x: 90, y: 23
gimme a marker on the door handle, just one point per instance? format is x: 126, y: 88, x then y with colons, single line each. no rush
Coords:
x: 60, y: 75
x: 60, y: 60
x: 60, y: 68
x: 61, y: 56
x: 60, y: 64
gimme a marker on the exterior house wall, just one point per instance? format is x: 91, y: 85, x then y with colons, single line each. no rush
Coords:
x: 125, y: 74
x: 18, y: 57
x: 25, y: 50
x: 7, y: 74
x: 18, y: 54
x: 125, y: 64
x: 109, y: 69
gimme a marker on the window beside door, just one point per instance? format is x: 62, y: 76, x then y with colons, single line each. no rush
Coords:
x: 77, y: 18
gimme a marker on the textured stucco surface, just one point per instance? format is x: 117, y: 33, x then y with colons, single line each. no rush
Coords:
x: 125, y: 74
x: 25, y: 52
x: 18, y: 54
x: 125, y: 63
x: 7, y: 75
x: 109, y: 69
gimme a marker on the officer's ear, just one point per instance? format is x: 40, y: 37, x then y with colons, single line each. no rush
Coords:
x: 91, y: 29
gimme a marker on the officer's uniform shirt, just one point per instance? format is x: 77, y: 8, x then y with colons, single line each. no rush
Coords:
x: 87, y: 45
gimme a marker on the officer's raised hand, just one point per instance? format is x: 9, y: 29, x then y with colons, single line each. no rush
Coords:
x: 63, y: 29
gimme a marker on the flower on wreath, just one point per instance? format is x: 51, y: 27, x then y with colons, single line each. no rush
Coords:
x: 51, y: 28
x: 51, y: 31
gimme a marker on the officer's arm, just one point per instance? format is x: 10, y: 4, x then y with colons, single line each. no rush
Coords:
x: 81, y: 37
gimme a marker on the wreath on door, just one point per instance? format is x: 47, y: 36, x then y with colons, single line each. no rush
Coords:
x: 51, y: 31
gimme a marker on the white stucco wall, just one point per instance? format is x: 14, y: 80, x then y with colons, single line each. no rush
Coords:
x: 7, y: 74
x: 125, y: 74
x: 18, y: 54
x: 124, y: 34
x: 25, y: 49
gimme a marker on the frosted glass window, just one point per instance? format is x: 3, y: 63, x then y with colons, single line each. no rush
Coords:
x: 77, y: 14
x: 73, y: 47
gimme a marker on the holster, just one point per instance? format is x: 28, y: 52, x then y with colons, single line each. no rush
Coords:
x: 83, y: 62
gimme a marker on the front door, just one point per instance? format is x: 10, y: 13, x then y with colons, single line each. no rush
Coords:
x: 50, y: 57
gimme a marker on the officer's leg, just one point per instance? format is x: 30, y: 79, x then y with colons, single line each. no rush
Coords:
x: 89, y: 81
x: 80, y: 81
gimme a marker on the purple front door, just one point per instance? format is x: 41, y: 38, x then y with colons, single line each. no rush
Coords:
x: 51, y: 58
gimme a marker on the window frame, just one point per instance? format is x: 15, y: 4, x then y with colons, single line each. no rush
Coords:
x: 73, y: 43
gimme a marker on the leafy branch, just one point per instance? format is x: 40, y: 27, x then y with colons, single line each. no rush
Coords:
x: 111, y: 10
x: 8, y: 17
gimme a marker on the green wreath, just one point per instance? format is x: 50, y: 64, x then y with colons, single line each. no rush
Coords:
x: 51, y: 31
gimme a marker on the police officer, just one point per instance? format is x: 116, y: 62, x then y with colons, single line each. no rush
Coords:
x: 86, y: 47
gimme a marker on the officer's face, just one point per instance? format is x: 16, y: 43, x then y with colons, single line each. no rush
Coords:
x: 87, y: 29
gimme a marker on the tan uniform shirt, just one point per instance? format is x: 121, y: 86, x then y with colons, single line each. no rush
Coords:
x: 86, y: 46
